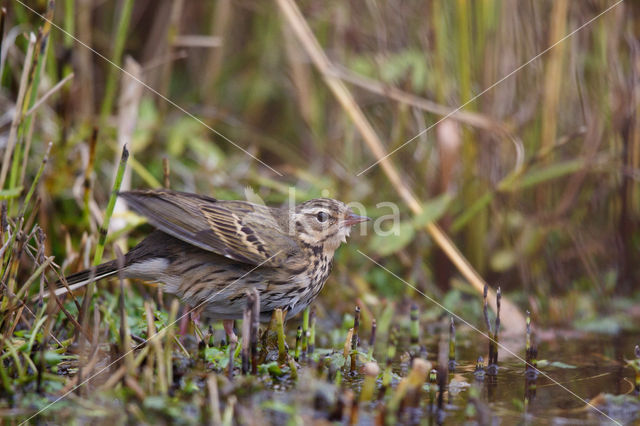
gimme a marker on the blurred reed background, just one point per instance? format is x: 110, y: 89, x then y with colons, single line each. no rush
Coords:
x: 536, y: 181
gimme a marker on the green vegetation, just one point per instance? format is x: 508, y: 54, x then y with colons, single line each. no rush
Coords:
x: 531, y: 187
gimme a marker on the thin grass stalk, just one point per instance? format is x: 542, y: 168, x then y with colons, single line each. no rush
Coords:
x: 69, y: 23
x: 156, y: 342
x: 433, y: 384
x: 637, y: 370
x: 282, y: 354
x: 293, y: 369
x: 255, y: 325
x: 40, y: 57
x: 227, y: 417
x: 96, y: 331
x: 125, y: 332
x: 337, y: 380
x: 528, y: 335
x: 34, y: 184
x: 170, y: 340
x: 220, y: 21
x: 4, y: 224
x: 312, y: 331
x: 354, y: 339
x: 553, y: 75
x: 416, y: 378
x: 141, y: 356
x: 39, y: 322
x: 372, y: 340
x: 232, y: 350
x: 452, y: 345
x: 296, y: 355
x: 144, y: 174
x: 3, y: 250
x: 7, y: 248
x: 83, y: 58
x: 70, y: 318
x: 553, y: 83
x: 301, y: 77
x: 29, y: 223
x: 492, y: 364
x: 415, y: 324
x: 442, y: 374
x: 88, y: 171
x: 346, y: 349
x: 49, y: 93
x: 11, y: 352
x: 35, y: 275
x: 497, y: 326
x: 40, y: 238
x: 83, y: 314
x: 246, y: 331
x: 479, y: 371
x: 463, y: 41
x: 97, y: 259
x: 13, y: 130
x: 4, y: 376
x: 12, y: 274
x: 354, y: 408
x: 16, y: 320
x: 475, y: 234
x: 3, y: 17
x: 113, y: 72
x: 371, y: 371
x: 214, y: 402
x: 485, y: 310
x: 305, y: 331
x: 441, y: 51
x: 32, y: 110
x: 166, y: 172
x: 173, y: 30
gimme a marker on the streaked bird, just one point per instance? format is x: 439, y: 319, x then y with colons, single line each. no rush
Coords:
x: 210, y: 252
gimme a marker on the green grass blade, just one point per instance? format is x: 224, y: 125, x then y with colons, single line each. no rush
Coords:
x: 97, y: 259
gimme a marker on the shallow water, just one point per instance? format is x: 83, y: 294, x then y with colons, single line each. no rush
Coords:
x: 589, y: 366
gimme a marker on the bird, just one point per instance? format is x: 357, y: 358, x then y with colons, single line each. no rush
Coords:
x: 210, y: 252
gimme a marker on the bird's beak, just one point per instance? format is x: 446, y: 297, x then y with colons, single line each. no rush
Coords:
x: 353, y: 218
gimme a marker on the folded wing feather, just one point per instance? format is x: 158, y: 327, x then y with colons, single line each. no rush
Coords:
x: 239, y: 230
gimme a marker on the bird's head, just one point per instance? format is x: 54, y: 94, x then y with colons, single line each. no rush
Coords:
x: 324, y: 221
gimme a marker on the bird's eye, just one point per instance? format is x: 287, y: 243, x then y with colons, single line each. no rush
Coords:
x: 322, y: 217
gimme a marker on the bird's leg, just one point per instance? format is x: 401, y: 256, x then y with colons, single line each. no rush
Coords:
x: 184, y: 324
x: 193, y: 314
x: 228, y: 328
x: 284, y: 321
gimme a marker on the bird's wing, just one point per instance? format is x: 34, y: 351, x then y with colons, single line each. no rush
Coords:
x: 239, y: 230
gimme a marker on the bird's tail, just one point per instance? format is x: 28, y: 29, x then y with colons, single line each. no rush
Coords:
x: 82, y: 278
